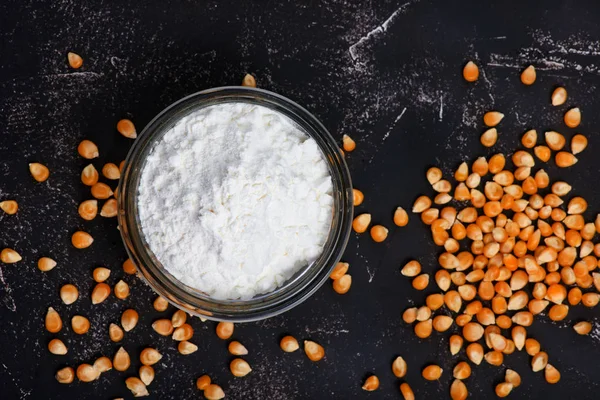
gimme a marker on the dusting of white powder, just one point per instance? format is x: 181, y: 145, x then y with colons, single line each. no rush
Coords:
x: 235, y: 199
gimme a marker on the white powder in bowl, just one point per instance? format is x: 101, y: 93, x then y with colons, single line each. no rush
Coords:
x: 235, y: 199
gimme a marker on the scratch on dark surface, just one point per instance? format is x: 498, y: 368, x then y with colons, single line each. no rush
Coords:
x: 114, y: 61
x: 560, y: 76
x: 595, y: 333
x: 548, y: 54
x: 518, y: 118
x: 385, y: 136
x: 73, y: 74
x: 509, y: 62
x: 505, y: 65
x: 7, y: 299
x: 334, y: 332
x: 378, y: 31
x: 488, y: 83
x: 370, y: 271
x: 24, y: 393
x: 398, y: 118
x: 70, y: 75
x: 574, y: 45
x: 441, y: 115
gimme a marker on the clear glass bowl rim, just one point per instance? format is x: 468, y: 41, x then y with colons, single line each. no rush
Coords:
x: 294, y: 291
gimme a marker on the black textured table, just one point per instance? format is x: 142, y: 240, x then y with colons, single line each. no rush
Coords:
x: 388, y: 73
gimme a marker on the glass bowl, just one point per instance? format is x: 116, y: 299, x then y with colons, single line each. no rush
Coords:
x: 300, y: 286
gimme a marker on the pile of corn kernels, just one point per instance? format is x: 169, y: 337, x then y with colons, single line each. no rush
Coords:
x: 515, y: 246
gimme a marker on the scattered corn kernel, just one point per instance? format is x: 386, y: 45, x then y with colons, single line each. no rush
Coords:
x: 421, y: 282
x: 399, y: 367
x: 314, y: 351
x: 150, y: 356
x: 146, y: 374
x: 69, y: 293
x: 539, y: 361
x: 88, y: 149
x: 100, y: 293
x: 503, y: 389
x: 379, y: 233
x: 528, y: 75
x: 342, y: 285
x: 237, y: 349
x: 471, y: 72
x: 224, y: 330
x: 361, y: 223
x: 578, y: 143
x: 53, y: 322
x: 88, y: 209
x: 249, y: 81
x: 475, y: 353
x: 101, y: 191
x: 184, y: 332
x: 65, y: 375
x: 121, y: 360
x: 130, y: 269
x: 462, y: 370
x: 87, y: 373
x: 39, y: 172
x: 371, y: 383
x: 289, y: 344
x: 89, y: 175
x: 339, y: 270
x: 489, y: 137
x: 551, y: 374
x: 80, y: 324
x: 529, y: 139
x: 400, y: 217
x: 121, y: 290
x: 406, y: 391
x: 9, y: 206
x: 358, y: 197
x: 136, y: 386
x: 56, y: 346
x: 160, y: 304
x: 492, y: 118
x: 75, y: 60
x: 559, y: 96
x: 115, y: 333
x: 81, y: 240
x: 102, y: 364
x: 348, y: 143
x: 129, y: 319
x: 432, y: 372
x: 203, y: 382
x: 213, y: 392
x: 9, y: 256
x: 458, y: 390
x: 126, y: 128
x: 565, y: 159
x: 163, y: 327
x: 583, y: 327
x: 512, y: 377
x: 573, y: 118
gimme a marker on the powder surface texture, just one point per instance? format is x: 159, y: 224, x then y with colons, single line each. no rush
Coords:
x: 234, y: 199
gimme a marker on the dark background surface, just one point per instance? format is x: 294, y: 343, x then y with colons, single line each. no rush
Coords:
x: 388, y: 73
